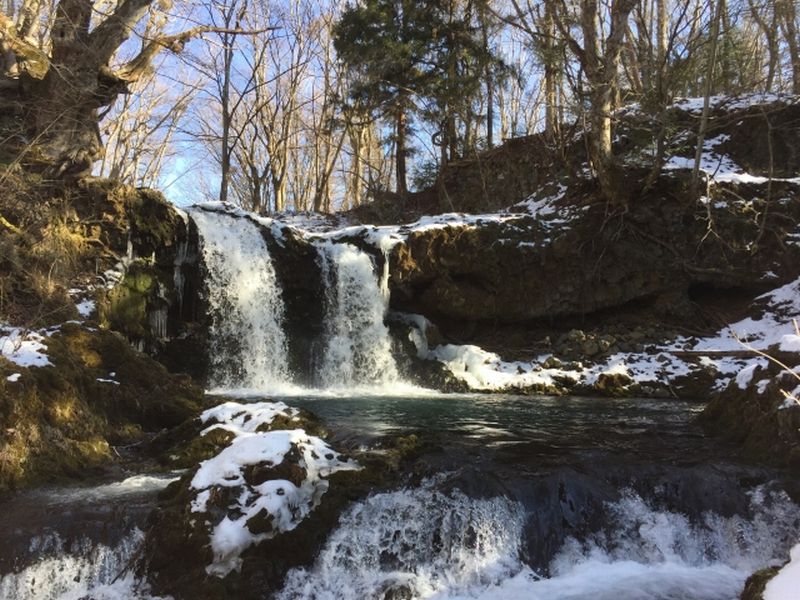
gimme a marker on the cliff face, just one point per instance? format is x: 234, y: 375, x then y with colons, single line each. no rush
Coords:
x: 89, y: 271
x: 579, y: 260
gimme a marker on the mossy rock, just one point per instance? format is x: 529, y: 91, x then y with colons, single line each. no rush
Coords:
x: 127, y: 305
x: 757, y: 582
x: 61, y: 421
x: 176, y: 531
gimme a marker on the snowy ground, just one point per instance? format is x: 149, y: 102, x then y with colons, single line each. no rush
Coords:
x: 23, y: 348
x: 486, y: 371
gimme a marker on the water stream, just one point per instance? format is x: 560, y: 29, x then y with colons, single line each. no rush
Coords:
x: 551, y: 499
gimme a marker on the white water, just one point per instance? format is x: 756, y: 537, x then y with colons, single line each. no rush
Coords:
x: 247, y: 342
x: 428, y: 544
x: 357, y: 347
x: 420, y: 539
x: 87, y: 571
x: 248, y: 347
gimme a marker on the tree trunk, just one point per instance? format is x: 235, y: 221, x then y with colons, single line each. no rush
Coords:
x: 789, y: 26
x: 400, y: 148
x: 770, y: 31
x: 712, y: 60
x: 63, y: 104
x: 279, y: 189
x: 600, y: 124
x: 64, y: 91
x: 550, y: 74
x: 601, y: 72
x: 226, y: 117
x: 661, y: 54
x: 489, y: 80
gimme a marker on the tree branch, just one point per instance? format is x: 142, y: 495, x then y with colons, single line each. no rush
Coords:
x: 138, y: 65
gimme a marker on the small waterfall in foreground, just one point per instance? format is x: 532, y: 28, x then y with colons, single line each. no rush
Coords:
x: 357, y: 346
x: 81, y: 571
x: 413, y: 544
x: 426, y: 543
x: 248, y: 346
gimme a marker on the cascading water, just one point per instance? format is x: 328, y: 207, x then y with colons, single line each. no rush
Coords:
x: 248, y: 346
x: 357, y: 347
x: 413, y: 544
x: 424, y: 543
x: 87, y: 571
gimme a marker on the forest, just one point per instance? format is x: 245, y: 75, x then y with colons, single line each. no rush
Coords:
x: 322, y: 106
x: 399, y: 300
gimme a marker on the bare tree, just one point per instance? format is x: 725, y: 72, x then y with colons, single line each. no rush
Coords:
x: 139, y: 131
x: 66, y: 82
x: 599, y: 56
x: 788, y: 23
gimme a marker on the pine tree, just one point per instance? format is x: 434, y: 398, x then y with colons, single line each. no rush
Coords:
x: 408, y: 57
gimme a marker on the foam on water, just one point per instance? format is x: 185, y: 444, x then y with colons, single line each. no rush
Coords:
x: 424, y: 543
x: 247, y: 341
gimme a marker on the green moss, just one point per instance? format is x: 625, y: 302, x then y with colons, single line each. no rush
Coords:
x: 126, y: 307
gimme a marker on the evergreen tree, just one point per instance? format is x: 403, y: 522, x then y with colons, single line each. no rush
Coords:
x: 411, y: 57
x: 386, y: 44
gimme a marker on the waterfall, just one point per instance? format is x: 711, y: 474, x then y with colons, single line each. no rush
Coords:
x: 84, y: 570
x: 248, y: 346
x: 431, y: 543
x: 247, y: 341
x: 357, y: 347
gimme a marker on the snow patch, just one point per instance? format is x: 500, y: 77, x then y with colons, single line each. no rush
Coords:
x: 786, y: 584
x: 23, y: 348
x: 790, y: 343
x: 85, y: 307
x: 279, y: 502
x: 745, y: 376
x: 245, y: 418
x: 720, y: 167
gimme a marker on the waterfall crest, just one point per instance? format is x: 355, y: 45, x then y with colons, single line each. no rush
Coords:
x: 247, y: 343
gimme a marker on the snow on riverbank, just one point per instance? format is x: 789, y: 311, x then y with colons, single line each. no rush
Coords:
x: 657, y: 366
x: 778, y: 308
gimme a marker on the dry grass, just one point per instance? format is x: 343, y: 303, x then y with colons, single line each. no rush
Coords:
x: 42, y: 248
